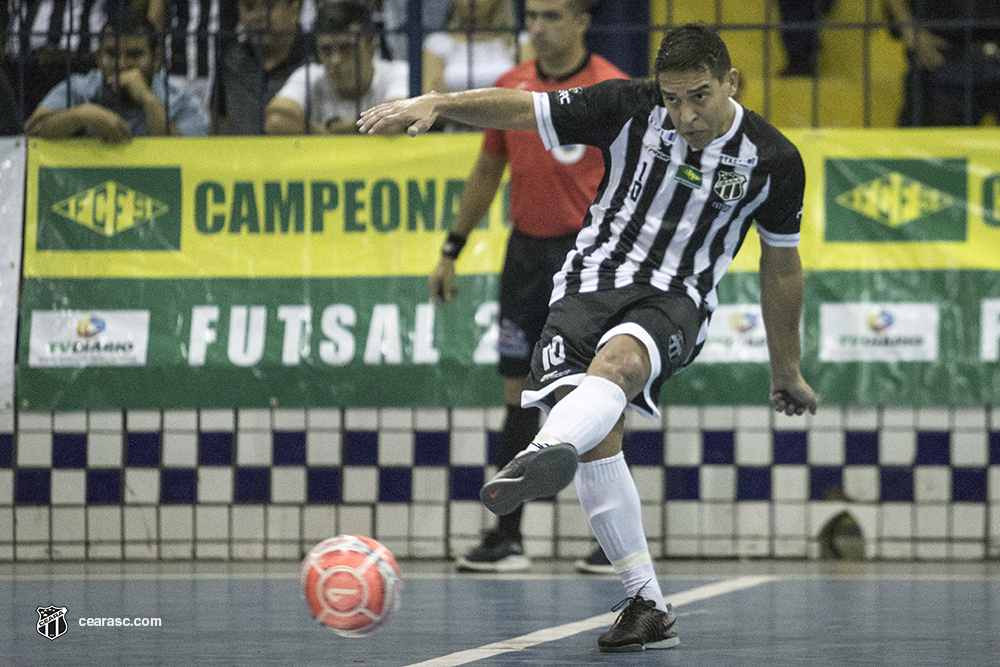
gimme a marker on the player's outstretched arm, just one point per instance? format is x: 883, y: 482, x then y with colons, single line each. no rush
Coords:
x: 501, y: 108
x: 781, y: 287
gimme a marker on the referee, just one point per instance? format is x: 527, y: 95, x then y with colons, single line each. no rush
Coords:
x: 688, y: 170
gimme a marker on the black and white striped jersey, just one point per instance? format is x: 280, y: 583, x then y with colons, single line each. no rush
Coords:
x: 664, y: 214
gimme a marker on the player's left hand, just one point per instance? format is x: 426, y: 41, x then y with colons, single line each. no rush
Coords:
x: 415, y: 115
x: 793, y: 397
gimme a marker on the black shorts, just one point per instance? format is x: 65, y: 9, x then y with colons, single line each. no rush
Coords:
x: 525, y: 289
x: 667, y: 323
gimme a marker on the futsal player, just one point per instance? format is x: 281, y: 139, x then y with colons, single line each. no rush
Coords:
x: 688, y: 170
x: 550, y: 191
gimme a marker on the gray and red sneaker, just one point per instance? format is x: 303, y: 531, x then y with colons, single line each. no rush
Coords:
x: 537, y: 474
x: 640, y: 626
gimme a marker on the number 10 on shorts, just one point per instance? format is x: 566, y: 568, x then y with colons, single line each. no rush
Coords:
x: 554, y: 353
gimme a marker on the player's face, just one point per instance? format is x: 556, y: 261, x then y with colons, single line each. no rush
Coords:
x: 699, y: 104
x: 347, y: 58
x: 553, y: 27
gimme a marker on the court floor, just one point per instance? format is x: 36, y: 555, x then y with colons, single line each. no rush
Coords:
x: 729, y: 613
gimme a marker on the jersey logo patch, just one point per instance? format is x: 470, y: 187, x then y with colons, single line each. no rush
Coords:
x: 733, y: 161
x: 730, y: 186
x: 689, y: 176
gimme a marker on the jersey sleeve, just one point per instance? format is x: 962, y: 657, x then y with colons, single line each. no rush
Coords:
x: 592, y: 115
x: 779, y: 218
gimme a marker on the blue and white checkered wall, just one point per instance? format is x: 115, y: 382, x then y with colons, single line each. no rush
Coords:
x: 715, y: 482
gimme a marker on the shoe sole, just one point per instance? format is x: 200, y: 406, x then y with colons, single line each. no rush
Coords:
x: 508, y: 564
x: 548, y: 473
x: 670, y: 642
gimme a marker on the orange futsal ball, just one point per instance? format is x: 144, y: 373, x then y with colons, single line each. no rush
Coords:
x: 352, y: 584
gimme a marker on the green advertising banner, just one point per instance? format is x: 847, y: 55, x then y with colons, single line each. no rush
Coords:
x: 292, y: 272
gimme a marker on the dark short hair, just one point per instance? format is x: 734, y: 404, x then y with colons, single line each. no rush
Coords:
x: 131, y: 24
x: 347, y: 16
x: 692, y: 46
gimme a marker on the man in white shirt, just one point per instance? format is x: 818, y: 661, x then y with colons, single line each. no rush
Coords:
x: 327, y: 98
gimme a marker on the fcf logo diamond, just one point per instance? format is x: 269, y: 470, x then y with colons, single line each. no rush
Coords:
x: 83, y: 209
x: 895, y: 200
x: 110, y: 208
x: 51, y: 621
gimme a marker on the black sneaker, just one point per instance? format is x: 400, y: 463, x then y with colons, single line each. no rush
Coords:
x: 640, y: 626
x: 496, y: 553
x: 538, y: 474
x: 596, y: 563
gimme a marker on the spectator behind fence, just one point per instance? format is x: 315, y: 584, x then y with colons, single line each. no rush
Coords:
x: 474, y: 50
x: 391, y: 17
x: 253, y: 69
x: 801, y: 43
x: 124, y: 97
x: 328, y: 97
x: 49, y: 39
x: 193, y: 32
x: 954, y: 60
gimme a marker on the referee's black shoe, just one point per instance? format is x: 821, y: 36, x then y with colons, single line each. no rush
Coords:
x: 537, y: 474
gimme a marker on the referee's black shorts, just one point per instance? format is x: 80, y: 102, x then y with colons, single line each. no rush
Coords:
x: 525, y: 288
x: 668, y: 325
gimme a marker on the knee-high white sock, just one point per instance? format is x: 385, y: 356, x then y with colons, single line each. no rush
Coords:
x: 609, y: 498
x: 585, y: 415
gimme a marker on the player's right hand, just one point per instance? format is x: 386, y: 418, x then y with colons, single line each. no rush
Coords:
x: 415, y: 115
x: 442, y: 281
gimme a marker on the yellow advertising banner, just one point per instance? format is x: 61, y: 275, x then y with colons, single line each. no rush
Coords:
x: 376, y: 206
x: 251, y: 207
x: 897, y: 199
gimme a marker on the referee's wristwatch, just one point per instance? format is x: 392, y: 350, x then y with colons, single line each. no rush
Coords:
x: 453, y: 245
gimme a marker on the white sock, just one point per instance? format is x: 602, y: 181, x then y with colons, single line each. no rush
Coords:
x: 585, y: 415
x: 611, y: 502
